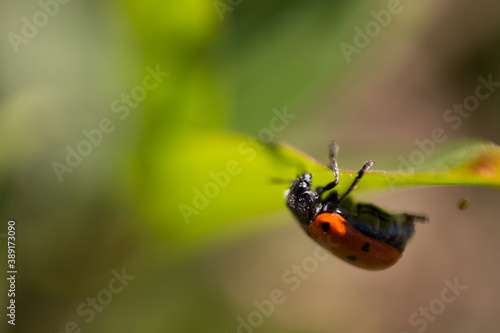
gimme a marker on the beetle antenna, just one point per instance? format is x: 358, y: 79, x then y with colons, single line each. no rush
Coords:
x: 279, y: 180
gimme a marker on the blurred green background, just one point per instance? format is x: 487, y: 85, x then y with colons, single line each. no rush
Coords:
x: 174, y: 94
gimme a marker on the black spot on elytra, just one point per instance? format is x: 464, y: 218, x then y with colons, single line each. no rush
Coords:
x: 365, y: 247
x: 351, y: 258
x: 325, y: 226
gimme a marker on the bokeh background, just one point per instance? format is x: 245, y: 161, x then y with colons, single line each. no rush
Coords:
x: 231, y: 65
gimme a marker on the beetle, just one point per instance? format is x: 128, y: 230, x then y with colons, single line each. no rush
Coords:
x: 361, y: 234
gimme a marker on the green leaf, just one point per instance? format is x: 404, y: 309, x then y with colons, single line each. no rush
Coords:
x: 220, y: 178
x: 468, y: 162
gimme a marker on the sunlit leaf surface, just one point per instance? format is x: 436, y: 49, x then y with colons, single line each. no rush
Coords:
x: 221, y: 178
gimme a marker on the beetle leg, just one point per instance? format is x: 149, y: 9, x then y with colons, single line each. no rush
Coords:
x: 333, y: 165
x: 356, y: 180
